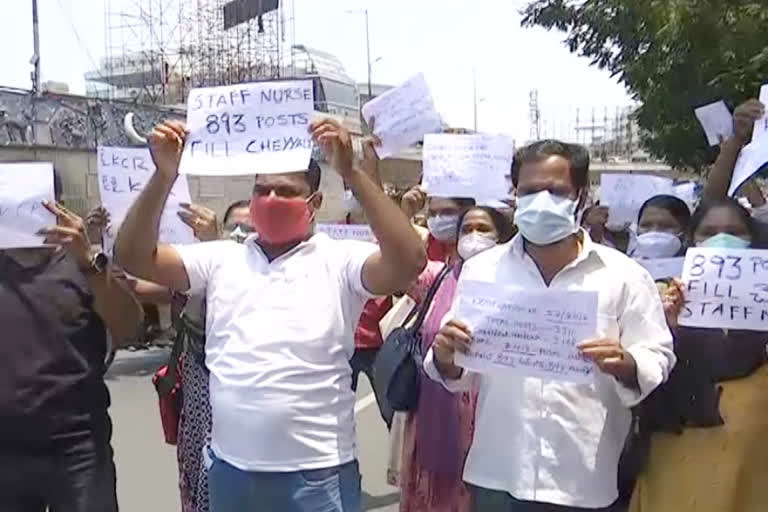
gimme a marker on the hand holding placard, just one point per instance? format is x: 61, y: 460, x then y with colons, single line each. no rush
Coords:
x: 624, y: 194
x: 726, y: 288
x: 255, y: 128
x: 529, y: 333
x: 716, y: 120
x: 403, y: 116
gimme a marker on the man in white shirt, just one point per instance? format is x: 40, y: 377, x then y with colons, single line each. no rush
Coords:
x: 281, y: 312
x: 550, y: 445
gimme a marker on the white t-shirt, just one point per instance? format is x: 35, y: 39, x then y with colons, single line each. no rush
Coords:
x: 279, y: 336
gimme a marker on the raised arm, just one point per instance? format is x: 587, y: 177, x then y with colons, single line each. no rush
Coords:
x: 136, y: 247
x: 112, y: 301
x: 401, y: 255
x: 719, y: 178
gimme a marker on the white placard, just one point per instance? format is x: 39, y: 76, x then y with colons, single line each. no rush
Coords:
x: 467, y: 165
x: 726, y: 289
x: 663, y: 268
x: 361, y: 232
x: 716, y: 120
x: 23, y: 188
x: 402, y: 116
x: 123, y: 172
x: 624, y: 194
x: 761, y: 125
x: 256, y: 128
x: 752, y: 158
x: 688, y: 193
x: 527, y: 333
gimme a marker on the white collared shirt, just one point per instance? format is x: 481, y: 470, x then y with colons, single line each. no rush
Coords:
x: 279, y: 336
x: 553, y: 441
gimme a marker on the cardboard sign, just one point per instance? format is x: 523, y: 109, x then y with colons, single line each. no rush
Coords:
x: 716, y: 120
x: 23, y: 188
x: 532, y: 334
x: 402, y: 116
x: 467, y: 165
x: 123, y: 172
x: 726, y: 289
x: 256, y: 128
x: 624, y: 194
x: 361, y: 232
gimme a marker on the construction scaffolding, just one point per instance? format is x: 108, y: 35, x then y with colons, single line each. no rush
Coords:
x: 157, y: 50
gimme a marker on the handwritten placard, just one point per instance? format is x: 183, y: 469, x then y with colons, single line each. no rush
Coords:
x: 716, y: 120
x: 123, y: 172
x: 752, y: 158
x: 467, y: 165
x: 23, y: 187
x: 726, y: 289
x: 624, y: 194
x: 402, y: 116
x: 255, y: 128
x: 361, y: 232
x: 663, y: 268
x: 527, y: 333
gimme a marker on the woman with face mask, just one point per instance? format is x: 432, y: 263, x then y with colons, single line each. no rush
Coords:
x: 438, y: 434
x: 661, y: 227
x: 708, y: 421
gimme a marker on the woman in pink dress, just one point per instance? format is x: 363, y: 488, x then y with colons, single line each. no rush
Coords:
x: 438, y: 434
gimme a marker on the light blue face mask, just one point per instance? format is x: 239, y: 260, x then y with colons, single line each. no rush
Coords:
x: 725, y: 241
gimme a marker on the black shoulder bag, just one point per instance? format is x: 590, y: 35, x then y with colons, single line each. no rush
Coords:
x: 397, y: 368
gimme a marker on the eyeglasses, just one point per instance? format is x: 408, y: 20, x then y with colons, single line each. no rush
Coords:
x: 244, y: 228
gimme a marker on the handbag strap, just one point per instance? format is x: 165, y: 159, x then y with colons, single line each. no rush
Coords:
x: 423, y: 308
x: 166, y: 383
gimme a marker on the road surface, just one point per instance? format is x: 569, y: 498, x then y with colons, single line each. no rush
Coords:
x: 146, y: 467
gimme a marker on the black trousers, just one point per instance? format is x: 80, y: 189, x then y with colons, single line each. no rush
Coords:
x: 487, y: 500
x: 73, y: 473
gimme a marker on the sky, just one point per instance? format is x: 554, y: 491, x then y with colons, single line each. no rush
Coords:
x: 447, y: 40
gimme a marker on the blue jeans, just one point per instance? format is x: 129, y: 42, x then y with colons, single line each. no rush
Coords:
x: 335, y: 489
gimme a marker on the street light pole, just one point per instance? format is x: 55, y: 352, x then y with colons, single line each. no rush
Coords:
x: 36, y: 88
x: 368, y: 49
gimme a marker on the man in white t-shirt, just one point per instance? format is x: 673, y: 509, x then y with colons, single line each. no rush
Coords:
x: 281, y: 312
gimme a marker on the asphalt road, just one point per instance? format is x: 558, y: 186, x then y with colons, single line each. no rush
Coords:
x: 147, y: 475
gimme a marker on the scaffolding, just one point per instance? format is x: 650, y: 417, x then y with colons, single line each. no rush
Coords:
x: 157, y: 50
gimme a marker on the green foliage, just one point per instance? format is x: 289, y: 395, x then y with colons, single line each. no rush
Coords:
x: 672, y: 55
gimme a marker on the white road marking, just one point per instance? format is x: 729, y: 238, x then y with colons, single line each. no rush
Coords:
x: 364, y: 402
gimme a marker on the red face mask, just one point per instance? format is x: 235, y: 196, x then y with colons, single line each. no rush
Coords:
x: 280, y: 220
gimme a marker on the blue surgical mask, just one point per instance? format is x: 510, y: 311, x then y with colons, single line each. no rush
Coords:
x: 725, y: 241
x: 444, y: 228
x: 544, y: 218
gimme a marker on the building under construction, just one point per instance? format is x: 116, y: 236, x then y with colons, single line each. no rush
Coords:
x: 157, y: 50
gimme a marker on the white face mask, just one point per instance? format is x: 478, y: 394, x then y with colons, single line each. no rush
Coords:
x: 443, y: 227
x: 475, y: 243
x: 350, y: 202
x: 657, y: 244
x: 545, y: 218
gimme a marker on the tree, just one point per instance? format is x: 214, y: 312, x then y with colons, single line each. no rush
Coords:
x: 672, y: 55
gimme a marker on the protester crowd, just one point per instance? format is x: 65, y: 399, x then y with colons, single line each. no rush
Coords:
x: 275, y: 323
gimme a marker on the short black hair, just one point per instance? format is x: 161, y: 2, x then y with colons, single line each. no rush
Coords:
x: 707, y: 206
x: 313, y: 174
x: 674, y: 205
x: 576, y: 154
x: 243, y: 203
x: 500, y: 222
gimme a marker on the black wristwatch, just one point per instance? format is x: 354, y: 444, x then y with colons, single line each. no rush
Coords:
x: 98, y: 264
